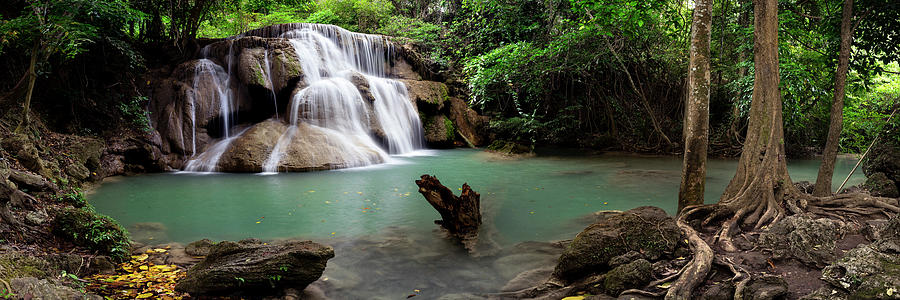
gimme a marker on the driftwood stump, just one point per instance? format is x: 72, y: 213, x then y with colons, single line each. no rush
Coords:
x: 460, y: 216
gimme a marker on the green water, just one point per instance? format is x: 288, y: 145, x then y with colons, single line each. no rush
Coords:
x: 543, y: 198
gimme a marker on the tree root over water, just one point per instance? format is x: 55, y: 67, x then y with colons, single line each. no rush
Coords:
x: 754, y: 211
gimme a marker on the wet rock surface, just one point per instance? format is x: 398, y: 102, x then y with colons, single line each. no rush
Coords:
x: 256, y: 269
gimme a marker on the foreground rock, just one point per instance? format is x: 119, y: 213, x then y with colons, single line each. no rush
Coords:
x: 461, y: 216
x: 256, y: 269
x: 619, y: 252
x: 33, y: 288
x: 808, y: 239
x: 867, y: 271
x: 648, y: 231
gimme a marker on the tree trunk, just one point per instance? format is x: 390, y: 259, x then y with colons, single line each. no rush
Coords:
x: 758, y: 189
x: 461, y: 216
x: 32, y: 76
x: 696, y: 121
x: 829, y: 154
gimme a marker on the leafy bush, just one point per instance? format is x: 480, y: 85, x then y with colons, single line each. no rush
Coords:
x: 134, y: 113
x: 87, y: 228
x: 74, y: 198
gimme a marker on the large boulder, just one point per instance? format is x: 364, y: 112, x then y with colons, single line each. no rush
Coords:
x: 308, y: 148
x: 256, y: 269
x: 880, y: 185
x: 883, y: 158
x: 808, y: 239
x: 648, y: 230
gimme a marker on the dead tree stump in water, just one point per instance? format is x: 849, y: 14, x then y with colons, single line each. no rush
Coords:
x: 461, y: 216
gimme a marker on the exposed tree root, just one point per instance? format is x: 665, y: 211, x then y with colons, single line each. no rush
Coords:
x: 755, y: 211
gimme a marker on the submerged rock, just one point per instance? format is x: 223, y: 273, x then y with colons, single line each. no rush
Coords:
x: 808, y: 239
x: 199, y: 248
x: 648, y: 230
x: 256, y: 269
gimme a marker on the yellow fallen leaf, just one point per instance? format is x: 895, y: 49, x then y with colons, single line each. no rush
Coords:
x: 158, y: 250
x: 257, y: 222
x: 144, y: 296
x: 143, y: 268
x: 141, y: 257
x: 574, y: 298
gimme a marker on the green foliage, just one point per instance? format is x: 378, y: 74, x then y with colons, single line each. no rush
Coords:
x: 87, y: 228
x: 133, y: 112
x: 415, y: 29
x: 74, y: 197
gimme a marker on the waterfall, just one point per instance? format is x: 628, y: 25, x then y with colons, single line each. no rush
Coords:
x: 211, y: 86
x: 331, y: 59
x: 358, y: 115
x: 268, y: 69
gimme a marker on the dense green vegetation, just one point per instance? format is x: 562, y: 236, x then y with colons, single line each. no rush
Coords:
x: 607, y: 74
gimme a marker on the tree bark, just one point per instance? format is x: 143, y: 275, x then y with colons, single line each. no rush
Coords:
x: 32, y: 77
x: 461, y: 216
x: 829, y: 154
x: 756, y: 193
x: 696, y: 121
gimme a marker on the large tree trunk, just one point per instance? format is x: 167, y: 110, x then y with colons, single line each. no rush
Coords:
x: 758, y: 189
x: 829, y: 155
x: 696, y: 116
x: 32, y: 76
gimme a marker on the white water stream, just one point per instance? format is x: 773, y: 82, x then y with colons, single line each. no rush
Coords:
x: 335, y: 63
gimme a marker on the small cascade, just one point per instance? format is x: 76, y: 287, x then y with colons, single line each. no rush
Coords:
x: 211, y: 87
x: 330, y: 58
x: 268, y: 68
x: 209, y: 159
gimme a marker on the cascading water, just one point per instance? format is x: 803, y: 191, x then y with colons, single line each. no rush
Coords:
x: 211, y: 86
x: 331, y: 57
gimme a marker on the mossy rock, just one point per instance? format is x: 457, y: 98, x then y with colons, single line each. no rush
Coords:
x: 509, y: 148
x: 86, y: 228
x: 647, y: 229
x: 880, y: 185
x: 635, y: 274
x: 16, y: 265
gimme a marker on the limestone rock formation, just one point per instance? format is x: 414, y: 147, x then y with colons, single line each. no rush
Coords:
x: 256, y: 269
x: 804, y: 237
x: 243, y: 81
